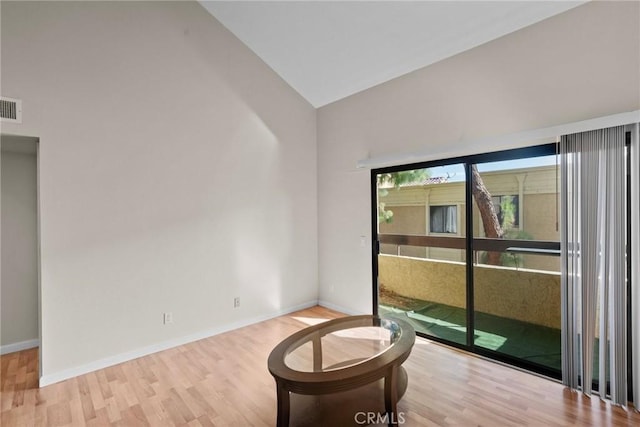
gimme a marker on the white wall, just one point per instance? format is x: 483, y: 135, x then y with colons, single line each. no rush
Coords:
x: 582, y: 64
x: 177, y: 171
x: 19, y: 281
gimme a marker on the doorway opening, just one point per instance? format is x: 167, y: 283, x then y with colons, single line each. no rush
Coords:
x: 20, y: 242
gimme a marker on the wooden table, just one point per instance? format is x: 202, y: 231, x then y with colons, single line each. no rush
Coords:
x: 340, y: 355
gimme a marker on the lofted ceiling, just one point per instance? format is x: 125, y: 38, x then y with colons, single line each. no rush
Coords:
x: 328, y: 50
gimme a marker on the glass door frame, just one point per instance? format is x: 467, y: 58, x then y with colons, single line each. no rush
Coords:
x: 471, y: 243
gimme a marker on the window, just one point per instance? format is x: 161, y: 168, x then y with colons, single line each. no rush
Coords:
x: 508, y: 210
x: 495, y: 296
x: 444, y: 219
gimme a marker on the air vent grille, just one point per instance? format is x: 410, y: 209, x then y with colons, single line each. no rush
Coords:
x: 10, y: 110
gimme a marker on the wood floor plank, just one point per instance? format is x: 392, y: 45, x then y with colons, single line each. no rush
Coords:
x: 224, y: 381
x: 59, y: 414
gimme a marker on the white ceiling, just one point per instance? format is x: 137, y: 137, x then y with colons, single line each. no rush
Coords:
x: 327, y: 50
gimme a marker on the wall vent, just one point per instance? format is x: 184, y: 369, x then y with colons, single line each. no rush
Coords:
x: 10, y: 110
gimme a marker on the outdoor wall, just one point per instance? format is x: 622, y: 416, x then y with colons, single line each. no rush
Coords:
x: 19, y: 282
x: 542, y: 227
x: 538, y: 205
x: 407, y: 220
x: 177, y: 171
x: 527, y: 295
x: 577, y: 65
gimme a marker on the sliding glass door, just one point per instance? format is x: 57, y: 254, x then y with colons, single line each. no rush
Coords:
x: 516, y: 267
x: 421, y: 219
x: 467, y: 250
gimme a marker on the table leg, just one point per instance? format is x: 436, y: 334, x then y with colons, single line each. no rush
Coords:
x: 317, y: 353
x: 283, y: 406
x: 391, y: 394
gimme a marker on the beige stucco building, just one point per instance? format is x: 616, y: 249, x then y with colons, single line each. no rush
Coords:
x: 534, y: 192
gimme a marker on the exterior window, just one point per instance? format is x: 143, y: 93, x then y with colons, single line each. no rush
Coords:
x: 444, y: 219
x: 436, y: 263
x: 508, y: 210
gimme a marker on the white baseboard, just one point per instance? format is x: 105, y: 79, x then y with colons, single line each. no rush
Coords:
x: 55, y: 377
x: 341, y: 309
x: 19, y: 346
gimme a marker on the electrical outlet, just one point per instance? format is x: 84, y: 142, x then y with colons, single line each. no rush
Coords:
x: 236, y: 302
x: 167, y: 318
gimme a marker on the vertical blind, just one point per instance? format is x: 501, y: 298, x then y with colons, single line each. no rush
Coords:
x: 634, y: 222
x: 594, y: 272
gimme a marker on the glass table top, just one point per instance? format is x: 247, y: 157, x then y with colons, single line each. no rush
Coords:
x: 329, y: 350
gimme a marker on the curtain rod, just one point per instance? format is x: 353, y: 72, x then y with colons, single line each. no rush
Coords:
x: 496, y: 143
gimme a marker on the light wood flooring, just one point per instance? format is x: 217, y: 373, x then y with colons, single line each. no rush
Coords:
x: 224, y: 381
